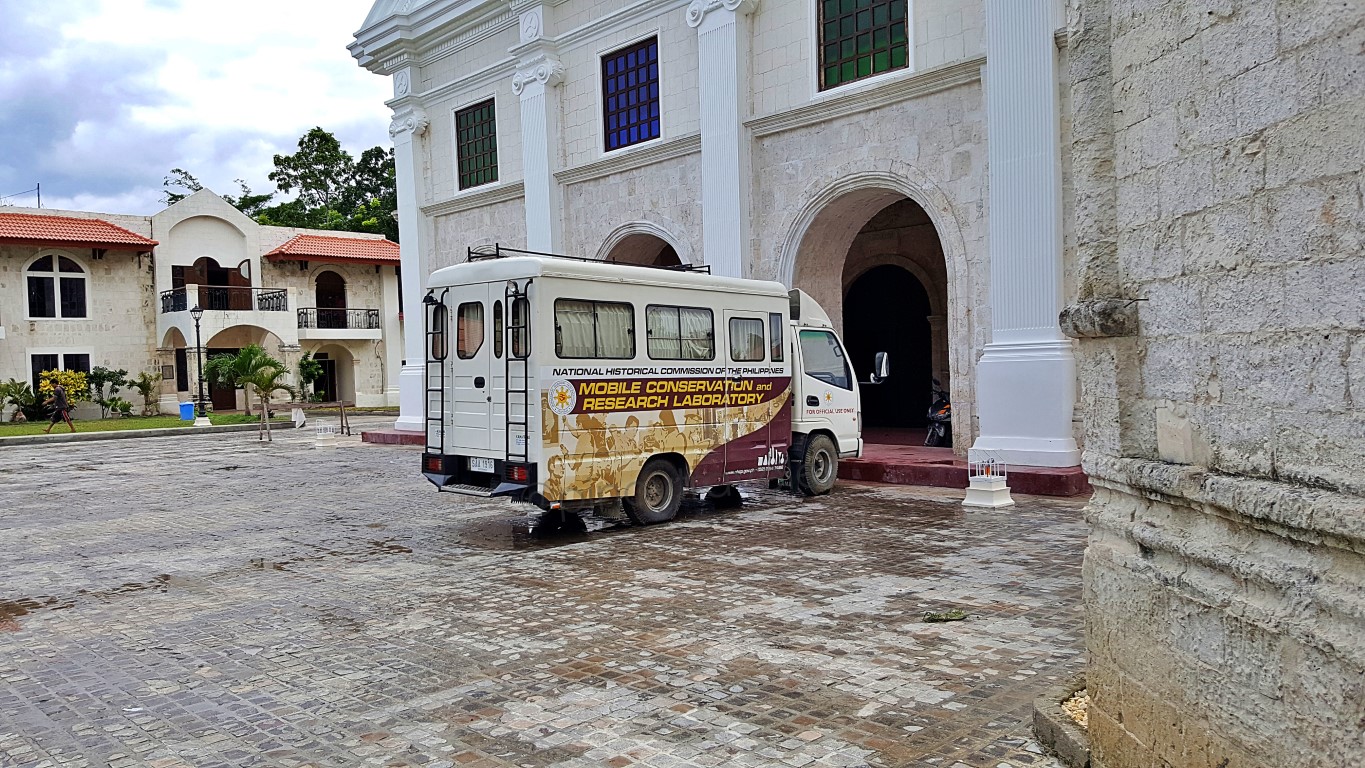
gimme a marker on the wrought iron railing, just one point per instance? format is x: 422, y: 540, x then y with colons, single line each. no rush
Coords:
x: 223, y: 298
x: 351, y: 319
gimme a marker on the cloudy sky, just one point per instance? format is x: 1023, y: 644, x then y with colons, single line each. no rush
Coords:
x: 99, y: 99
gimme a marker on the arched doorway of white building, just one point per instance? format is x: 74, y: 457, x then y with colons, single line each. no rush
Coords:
x: 230, y: 341
x: 338, y: 373
x: 873, y: 258
x: 330, y: 299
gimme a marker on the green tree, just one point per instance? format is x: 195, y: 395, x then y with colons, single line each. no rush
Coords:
x: 265, y: 380
x: 321, y: 171
x: 310, y: 370
x: 19, y: 396
x: 100, y: 379
x: 147, y: 384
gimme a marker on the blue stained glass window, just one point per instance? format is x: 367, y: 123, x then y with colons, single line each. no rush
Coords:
x: 630, y: 85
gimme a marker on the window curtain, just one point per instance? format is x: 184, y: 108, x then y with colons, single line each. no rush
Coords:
x: 615, y: 330
x: 469, y: 330
x: 664, y: 333
x: 574, y: 327
x: 746, y: 340
x: 698, y: 337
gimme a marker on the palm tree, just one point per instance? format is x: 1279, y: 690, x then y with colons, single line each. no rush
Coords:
x: 266, y: 380
x: 229, y: 370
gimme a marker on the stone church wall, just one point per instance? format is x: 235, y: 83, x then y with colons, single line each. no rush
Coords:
x: 1216, y: 152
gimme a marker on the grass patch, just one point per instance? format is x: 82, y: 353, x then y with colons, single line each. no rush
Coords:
x: 132, y: 422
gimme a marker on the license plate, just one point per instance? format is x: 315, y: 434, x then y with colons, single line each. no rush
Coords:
x: 480, y: 465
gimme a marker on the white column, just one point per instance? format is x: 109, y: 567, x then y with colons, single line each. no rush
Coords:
x: 393, y: 335
x: 1026, y: 380
x: 535, y: 85
x: 723, y: 82
x: 408, y: 124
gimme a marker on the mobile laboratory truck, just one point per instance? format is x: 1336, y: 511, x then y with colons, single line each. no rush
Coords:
x: 579, y: 385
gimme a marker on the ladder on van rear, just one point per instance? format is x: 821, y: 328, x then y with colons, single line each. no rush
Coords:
x: 519, y: 339
x: 437, y: 340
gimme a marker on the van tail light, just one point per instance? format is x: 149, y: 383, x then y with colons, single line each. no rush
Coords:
x: 517, y: 473
x: 434, y: 464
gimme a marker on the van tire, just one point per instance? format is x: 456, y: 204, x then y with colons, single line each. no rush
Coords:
x: 819, y: 466
x: 658, y: 493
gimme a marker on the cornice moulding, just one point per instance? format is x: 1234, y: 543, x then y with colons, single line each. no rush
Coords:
x: 913, y: 86
x: 512, y: 190
x: 610, y: 23
x: 629, y: 161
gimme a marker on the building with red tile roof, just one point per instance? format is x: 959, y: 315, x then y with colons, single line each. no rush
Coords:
x: 332, y: 249
x: 70, y: 231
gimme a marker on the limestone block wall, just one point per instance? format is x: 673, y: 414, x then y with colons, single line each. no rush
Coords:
x: 118, y: 329
x: 666, y: 194
x: 581, y: 92
x: 1216, y: 158
x: 454, y: 233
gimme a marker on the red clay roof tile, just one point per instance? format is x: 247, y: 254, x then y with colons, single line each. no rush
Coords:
x: 36, y: 229
x: 328, y: 248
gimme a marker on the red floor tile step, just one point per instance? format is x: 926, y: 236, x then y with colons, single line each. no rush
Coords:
x: 390, y: 436
x: 899, y: 457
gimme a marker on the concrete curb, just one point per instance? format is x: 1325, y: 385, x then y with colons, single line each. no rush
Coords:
x: 1055, y: 730
x: 130, y: 434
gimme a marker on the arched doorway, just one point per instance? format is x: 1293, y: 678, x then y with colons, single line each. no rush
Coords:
x: 873, y: 258
x: 338, y: 373
x: 887, y: 310
x: 230, y: 341
x: 331, y: 300
x: 645, y: 249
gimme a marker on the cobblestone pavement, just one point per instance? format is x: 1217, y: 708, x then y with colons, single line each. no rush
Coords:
x: 208, y: 601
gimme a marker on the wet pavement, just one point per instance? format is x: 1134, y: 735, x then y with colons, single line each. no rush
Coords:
x: 206, y: 601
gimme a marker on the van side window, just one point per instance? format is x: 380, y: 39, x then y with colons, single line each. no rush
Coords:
x: 521, y: 328
x: 824, y: 359
x: 497, y: 329
x: 469, y: 329
x: 680, y: 333
x: 440, y: 332
x: 746, y: 339
x: 776, y: 340
x: 594, y: 329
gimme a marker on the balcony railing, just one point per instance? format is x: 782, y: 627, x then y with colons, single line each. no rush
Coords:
x: 222, y: 298
x: 350, y: 319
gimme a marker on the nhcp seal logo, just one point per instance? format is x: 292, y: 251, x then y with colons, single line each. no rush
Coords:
x: 562, y: 397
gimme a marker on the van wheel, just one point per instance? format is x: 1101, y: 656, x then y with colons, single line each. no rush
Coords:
x: 819, y: 468
x: 658, y: 494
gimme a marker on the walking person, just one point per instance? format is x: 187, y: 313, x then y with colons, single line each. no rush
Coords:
x: 60, y: 408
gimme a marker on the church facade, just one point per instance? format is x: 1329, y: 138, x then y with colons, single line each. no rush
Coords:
x: 850, y: 148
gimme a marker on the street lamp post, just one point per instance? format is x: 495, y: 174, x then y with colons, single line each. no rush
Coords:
x: 201, y: 417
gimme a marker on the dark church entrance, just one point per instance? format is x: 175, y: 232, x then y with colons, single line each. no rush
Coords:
x: 887, y: 310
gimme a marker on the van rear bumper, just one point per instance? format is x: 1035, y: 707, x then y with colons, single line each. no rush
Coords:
x: 451, y: 474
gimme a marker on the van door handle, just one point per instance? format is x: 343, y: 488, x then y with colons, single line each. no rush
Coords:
x: 478, y: 382
x: 812, y: 401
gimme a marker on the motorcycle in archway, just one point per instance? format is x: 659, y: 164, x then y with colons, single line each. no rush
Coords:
x: 940, y: 418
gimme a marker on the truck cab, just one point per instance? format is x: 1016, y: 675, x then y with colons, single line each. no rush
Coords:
x: 826, y: 418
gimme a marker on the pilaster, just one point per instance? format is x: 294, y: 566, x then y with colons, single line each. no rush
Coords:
x: 539, y: 72
x: 1026, y: 380
x: 409, y: 124
x: 723, y: 83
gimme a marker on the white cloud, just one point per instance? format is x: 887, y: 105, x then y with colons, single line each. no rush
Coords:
x: 109, y: 95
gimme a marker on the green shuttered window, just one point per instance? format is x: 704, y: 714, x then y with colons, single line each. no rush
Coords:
x: 476, y: 143
x: 862, y: 38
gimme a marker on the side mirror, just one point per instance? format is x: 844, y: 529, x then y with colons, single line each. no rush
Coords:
x: 881, y: 368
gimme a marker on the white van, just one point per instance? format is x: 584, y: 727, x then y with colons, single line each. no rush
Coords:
x: 576, y: 384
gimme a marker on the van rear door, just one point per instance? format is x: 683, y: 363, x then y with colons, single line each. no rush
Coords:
x: 471, y: 368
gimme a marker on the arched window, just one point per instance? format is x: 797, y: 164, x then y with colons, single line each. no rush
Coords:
x: 56, y: 288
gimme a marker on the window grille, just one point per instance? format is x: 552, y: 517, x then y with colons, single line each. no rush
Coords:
x: 630, y: 95
x: 862, y: 38
x: 476, y: 144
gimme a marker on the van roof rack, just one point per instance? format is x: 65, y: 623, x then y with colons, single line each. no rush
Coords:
x: 497, y: 251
